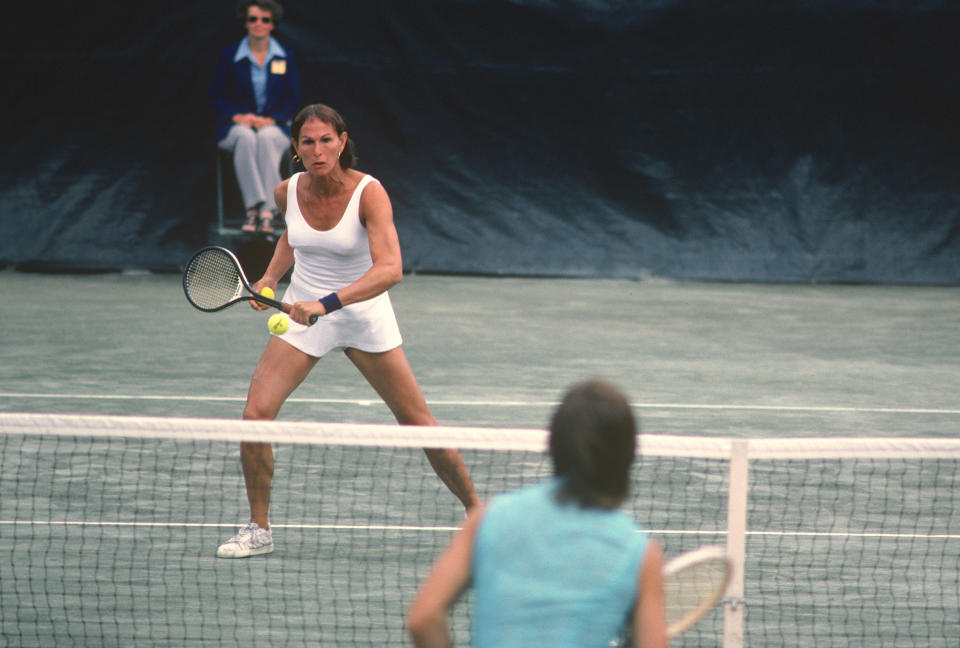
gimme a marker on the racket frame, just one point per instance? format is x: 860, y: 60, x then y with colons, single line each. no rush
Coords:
x: 244, y: 283
x: 693, y: 558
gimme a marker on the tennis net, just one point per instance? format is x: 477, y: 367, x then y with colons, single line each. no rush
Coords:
x: 109, y: 527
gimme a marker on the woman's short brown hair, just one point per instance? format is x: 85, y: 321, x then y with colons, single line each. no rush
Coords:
x: 593, y: 440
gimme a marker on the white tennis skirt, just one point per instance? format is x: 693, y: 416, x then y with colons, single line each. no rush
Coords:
x: 369, y: 325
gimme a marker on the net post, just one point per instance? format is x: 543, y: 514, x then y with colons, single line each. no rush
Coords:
x: 733, y: 609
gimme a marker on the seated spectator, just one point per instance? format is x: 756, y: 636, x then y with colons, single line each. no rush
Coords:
x: 255, y: 92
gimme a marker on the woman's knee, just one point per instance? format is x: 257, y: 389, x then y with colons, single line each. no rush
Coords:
x: 414, y: 413
x: 258, y: 410
x: 245, y: 137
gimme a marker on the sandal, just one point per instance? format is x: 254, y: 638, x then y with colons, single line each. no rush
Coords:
x: 251, y: 224
x: 266, y: 222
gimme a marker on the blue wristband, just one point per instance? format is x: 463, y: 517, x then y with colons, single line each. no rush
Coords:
x: 331, y: 302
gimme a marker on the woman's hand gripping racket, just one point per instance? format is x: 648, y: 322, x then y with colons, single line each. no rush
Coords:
x: 214, y: 280
x: 693, y: 583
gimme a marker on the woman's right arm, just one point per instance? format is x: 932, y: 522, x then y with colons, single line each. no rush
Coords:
x: 449, y: 578
x: 649, y: 619
x: 223, y: 98
x: 217, y: 91
x: 282, y: 259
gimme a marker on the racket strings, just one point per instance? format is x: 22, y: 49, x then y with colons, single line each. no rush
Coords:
x: 692, y: 590
x: 212, y: 279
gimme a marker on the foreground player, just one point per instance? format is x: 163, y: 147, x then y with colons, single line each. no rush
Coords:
x: 345, y: 253
x: 555, y: 564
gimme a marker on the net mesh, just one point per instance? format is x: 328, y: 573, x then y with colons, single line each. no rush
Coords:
x: 211, y: 279
x: 109, y: 526
x: 873, y: 552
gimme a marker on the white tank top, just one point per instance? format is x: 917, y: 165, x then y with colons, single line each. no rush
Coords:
x: 326, y: 261
x: 332, y: 259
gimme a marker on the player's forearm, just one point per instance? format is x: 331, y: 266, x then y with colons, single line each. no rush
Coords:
x: 430, y: 632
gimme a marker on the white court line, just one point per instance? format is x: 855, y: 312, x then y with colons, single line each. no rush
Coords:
x: 813, y: 534
x: 842, y: 534
x: 499, y: 403
x: 217, y: 525
x: 387, y: 527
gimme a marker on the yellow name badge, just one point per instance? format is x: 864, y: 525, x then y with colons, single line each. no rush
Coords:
x: 278, y: 66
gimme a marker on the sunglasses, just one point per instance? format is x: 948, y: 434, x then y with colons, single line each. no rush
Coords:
x: 266, y: 20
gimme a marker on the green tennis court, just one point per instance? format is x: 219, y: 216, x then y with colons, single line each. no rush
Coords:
x: 358, y: 527
x: 711, y: 359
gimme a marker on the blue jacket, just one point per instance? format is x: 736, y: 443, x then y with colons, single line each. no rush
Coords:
x: 231, y: 90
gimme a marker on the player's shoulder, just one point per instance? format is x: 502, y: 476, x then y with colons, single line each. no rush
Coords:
x: 282, y: 187
x: 230, y: 51
x: 280, y: 193
x: 358, y: 176
x: 372, y: 189
x: 374, y: 201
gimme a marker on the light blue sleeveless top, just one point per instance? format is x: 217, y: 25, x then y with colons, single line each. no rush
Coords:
x: 551, y: 574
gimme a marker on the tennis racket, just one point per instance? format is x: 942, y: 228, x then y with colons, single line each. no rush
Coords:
x: 214, y: 280
x: 693, y: 583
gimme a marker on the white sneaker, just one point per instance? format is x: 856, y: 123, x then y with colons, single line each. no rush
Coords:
x: 250, y: 540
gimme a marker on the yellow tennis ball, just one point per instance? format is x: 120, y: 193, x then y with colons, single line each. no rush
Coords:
x: 278, y: 323
x: 267, y: 292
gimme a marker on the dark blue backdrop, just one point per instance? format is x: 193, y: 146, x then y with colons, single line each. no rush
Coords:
x: 815, y: 141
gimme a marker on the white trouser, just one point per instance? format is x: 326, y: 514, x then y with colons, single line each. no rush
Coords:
x: 256, y: 160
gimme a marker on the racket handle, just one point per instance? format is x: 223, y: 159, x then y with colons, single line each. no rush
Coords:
x: 286, y: 308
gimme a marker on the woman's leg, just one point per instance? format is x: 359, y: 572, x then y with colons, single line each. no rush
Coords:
x: 390, y: 375
x: 242, y: 142
x: 271, y: 144
x: 280, y: 370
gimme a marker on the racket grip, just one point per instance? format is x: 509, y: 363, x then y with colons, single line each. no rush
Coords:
x: 286, y: 308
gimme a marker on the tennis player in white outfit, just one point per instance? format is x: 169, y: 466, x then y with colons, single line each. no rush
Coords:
x: 341, y: 241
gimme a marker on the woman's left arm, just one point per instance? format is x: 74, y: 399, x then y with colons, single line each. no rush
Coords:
x: 376, y: 213
x: 286, y: 96
x: 292, y: 99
